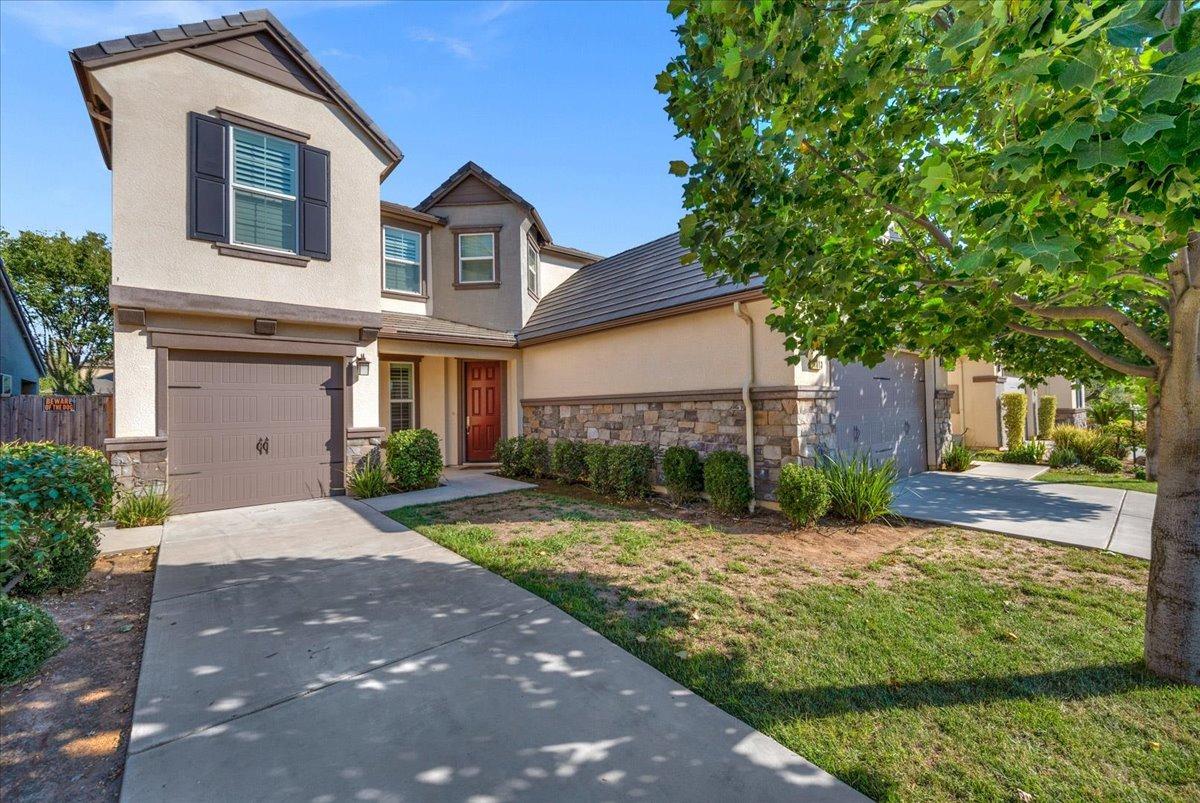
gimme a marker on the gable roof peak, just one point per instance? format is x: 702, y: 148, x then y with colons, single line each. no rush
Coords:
x: 195, y: 34
x: 473, y: 169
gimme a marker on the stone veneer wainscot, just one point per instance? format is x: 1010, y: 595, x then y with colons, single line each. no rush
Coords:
x: 790, y: 424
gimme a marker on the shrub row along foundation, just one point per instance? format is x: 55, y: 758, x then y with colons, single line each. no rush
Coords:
x: 790, y: 425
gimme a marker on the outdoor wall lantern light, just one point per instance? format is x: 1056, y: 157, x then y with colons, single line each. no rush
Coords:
x: 363, y: 365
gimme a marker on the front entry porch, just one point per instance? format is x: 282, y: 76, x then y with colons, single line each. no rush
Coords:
x: 467, y: 394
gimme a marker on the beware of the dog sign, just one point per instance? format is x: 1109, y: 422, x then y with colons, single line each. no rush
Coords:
x: 58, y: 404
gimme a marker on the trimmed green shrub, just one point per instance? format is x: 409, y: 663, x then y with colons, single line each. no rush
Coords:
x: 508, y: 455
x: 1088, y: 444
x: 534, y: 459
x: 991, y: 455
x: 1014, y: 405
x: 1139, y: 473
x: 803, y: 494
x: 566, y: 461
x: 1028, y: 453
x: 858, y: 490
x: 414, y: 459
x: 630, y: 470
x: 727, y: 483
x: 51, y: 497
x: 1047, y: 409
x: 958, y: 457
x: 28, y: 636
x: 368, y: 479
x: 597, y: 456
x: 1063, y: 457
x: 1126, y: 435
x: 1106, y: 465
x: 683, y: 473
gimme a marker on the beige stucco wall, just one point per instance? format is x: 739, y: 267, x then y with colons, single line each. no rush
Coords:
x: 702, y: 350
x: 552, y: 271
x: 493, y: 308
x: 151, y: 99
x: 134, y: 390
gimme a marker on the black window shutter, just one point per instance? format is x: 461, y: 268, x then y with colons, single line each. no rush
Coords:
x: 208, y: 180
x: 314, y: 202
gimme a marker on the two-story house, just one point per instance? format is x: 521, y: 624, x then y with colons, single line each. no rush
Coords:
x: 275, y: 319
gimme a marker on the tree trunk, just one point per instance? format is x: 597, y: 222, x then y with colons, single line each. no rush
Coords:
x: 1173, y: 597
x: 1152, y: 430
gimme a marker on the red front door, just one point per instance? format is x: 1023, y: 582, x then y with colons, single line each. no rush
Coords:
x: 483, y: 380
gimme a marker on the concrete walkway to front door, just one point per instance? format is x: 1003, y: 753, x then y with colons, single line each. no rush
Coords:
x: 1079, y: 515
x: 318, y: 650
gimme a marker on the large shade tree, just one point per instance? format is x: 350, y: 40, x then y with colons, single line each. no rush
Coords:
x: 1014, y: 178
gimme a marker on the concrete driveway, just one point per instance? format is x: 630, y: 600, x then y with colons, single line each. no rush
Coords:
x: 318, y: 650
x: 1080, y: 515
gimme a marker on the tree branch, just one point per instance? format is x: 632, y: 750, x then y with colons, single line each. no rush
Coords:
x: 1089, y: 348
x: 1139, y: 337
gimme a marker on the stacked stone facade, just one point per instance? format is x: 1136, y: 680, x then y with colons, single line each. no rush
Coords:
x: 138, y: 463
x: 790, y: 425
x: 942, y: 432
x: 1071, y: 416
x: 361, y: 444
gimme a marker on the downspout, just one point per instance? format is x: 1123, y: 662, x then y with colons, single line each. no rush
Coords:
x: 737, y: 310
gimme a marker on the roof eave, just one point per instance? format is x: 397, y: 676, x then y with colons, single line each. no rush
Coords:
x: 747, y: 294
x: 463, y: 340
x: 10, y: 295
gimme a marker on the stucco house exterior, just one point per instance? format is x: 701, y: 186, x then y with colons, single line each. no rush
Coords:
x: 975, y: 411
x: 21, y: 361
x: 275, y: 319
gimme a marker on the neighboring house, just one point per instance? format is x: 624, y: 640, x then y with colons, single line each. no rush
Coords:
x: 103, y: 378
x: 975, y: 409
x: 275, y: 319
x: 21, y: 363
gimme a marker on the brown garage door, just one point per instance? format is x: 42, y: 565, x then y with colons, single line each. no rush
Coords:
x: 246, y: 429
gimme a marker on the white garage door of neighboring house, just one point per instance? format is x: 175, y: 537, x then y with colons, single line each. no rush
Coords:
x: 247, y: 429
x: 881, y: 411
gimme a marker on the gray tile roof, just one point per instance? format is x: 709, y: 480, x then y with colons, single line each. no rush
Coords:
x: 421, y: 327
x: 151, y: 40
x: 647, y: 279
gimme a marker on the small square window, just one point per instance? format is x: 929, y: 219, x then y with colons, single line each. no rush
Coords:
x: 477, y: 257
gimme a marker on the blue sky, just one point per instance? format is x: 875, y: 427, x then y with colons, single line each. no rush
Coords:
x: 555, y: 98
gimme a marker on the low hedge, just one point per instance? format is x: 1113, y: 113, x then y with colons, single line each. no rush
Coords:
x: 508, y: 455
x: 28, y: 636
x: 51, y: 498
x: 683, y: 473
x: 523, y: 456
x: 803, y: 494
x: 1106, y: 465
x: 1028, y: 453
x: 597, y: 457
x: 727, y: 483
x: 1088, y: 444
x: 630, y: 470
x: 567, y: 463
x: 414, y: 459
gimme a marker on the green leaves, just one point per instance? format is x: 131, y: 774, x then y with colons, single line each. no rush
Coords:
x: 1112, y: 152
x: 1141, y: 130
x: 1065, y: 135
x: 1081, y: 70
x: 678, y: 167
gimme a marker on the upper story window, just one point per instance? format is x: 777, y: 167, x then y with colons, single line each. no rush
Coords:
x: 477, y: 258
x: 401, y: 260
x: 263, y: 190
x: 531, y: 269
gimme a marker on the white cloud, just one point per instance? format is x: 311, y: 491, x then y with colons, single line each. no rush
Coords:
x: 74, y: 24
x: 453, y: 44
x: 494, y: 11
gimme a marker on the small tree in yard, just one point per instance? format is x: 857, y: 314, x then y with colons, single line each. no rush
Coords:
x: 1013, y: 406
x: 1011, y: 181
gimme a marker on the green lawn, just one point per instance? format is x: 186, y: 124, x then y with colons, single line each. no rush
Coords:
x: 1089, y: 477
x: 913, y: 663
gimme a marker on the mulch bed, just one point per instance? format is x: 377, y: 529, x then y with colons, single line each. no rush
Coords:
x: 64, y: 732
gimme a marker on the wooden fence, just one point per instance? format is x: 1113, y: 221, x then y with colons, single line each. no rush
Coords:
x: 78, y: 420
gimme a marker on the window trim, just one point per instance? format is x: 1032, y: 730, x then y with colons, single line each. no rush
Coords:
x: 458, y: 232
x: 234, y: 187
x: 534, y: 289
x: 415, y: 401
x: 420, y: 294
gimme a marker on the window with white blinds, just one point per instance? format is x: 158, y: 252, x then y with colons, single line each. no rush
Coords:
x: 402, y: 389
x: 531, y: 268
x: 477, y: 257
x: 401, y: 260
x: 263, y: 190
